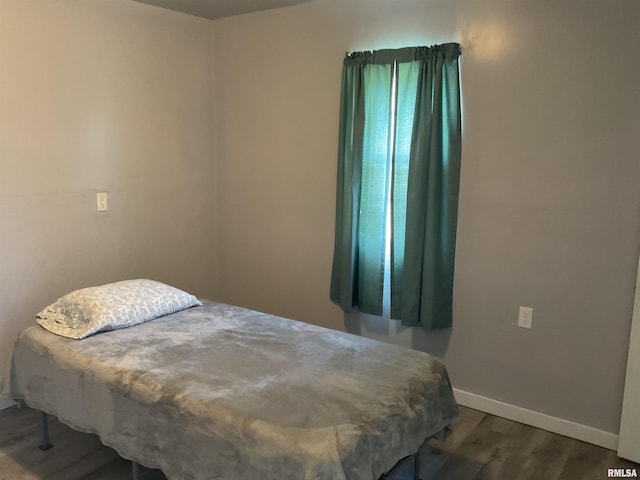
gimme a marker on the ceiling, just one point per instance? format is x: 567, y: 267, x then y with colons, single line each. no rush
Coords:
x: 214, y: 9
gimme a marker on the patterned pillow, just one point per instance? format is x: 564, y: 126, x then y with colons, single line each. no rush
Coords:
x: 108, y: 307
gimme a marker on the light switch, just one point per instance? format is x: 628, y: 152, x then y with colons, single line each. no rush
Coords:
x: 102, y: 201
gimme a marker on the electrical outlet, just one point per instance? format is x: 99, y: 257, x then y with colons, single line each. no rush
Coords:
x: 102, y: 201
x: 525, y: 317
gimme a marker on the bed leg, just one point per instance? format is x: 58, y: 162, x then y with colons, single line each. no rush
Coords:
x: 416, y: 465
x: 134, y: 470
x: 46, y: 443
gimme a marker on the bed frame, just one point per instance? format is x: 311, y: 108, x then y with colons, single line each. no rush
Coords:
x: 135, y: 466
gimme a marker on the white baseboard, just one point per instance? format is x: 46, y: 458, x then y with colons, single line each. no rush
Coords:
x: 6, y: 403
x: 537, y: 419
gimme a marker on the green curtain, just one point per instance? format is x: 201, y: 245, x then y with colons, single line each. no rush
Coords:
x: 399, y: 147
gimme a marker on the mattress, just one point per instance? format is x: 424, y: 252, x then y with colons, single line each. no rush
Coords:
x: 219, y: 391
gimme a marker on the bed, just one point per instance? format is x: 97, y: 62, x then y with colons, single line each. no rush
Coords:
x: 219, y: 391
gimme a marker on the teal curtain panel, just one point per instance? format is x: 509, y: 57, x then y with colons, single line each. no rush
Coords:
x: 398, y: 178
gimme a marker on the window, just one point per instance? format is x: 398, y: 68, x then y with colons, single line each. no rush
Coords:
x: 398, y: 175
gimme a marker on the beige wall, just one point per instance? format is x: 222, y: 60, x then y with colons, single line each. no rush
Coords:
x: 550, y: 198
x: 102, y: 95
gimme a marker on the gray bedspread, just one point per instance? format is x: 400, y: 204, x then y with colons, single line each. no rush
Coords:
x: 228, y: 393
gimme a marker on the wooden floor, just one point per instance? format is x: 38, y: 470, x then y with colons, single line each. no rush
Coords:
x: 481, y: 447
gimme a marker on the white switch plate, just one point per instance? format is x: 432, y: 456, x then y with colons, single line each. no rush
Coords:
x: 525, y: 317
x: 102, y: 201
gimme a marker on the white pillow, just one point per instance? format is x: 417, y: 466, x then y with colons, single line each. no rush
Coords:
x: 116, y: 305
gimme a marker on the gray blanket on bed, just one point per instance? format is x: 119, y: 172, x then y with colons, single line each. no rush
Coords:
x: 224, y: 392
